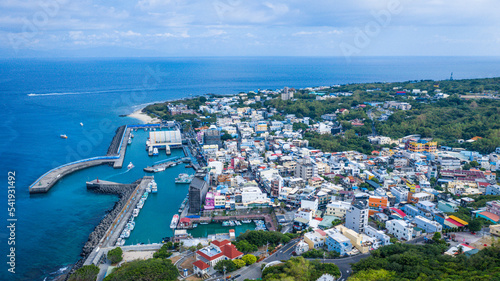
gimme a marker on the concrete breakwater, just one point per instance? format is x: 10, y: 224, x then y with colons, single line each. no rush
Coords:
x: 124, y: 192
x: 114, y: 146
x: 115, y: 157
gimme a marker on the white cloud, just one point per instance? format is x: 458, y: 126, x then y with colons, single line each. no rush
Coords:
x: 277, y: 24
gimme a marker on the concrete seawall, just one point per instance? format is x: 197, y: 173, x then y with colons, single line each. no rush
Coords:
x: 115, y: 157
x: 45, y: 182
x: 100, y: 238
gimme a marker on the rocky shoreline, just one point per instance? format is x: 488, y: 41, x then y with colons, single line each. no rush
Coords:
x: 123, y: 191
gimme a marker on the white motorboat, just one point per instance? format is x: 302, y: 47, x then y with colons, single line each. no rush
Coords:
x: 175, y: 220
x: 130, y: 166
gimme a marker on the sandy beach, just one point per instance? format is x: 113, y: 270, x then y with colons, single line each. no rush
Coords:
x: 143, y: 117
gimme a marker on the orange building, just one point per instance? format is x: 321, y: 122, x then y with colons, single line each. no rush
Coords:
x: 377, y: 201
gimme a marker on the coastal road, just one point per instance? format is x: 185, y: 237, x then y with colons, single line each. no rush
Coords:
x: 254, y: 271
x: 285, y: 253
x: 344, y: 264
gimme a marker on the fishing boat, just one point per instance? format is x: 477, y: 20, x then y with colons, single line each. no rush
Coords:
x: 140, y: 204
x: 154, y: 187
x: 237, y: 222
x: 129, y: 140
x: 131, y: 225
x: 184, y: 178
x: 120, y: 242
x: 63, y: 136
x: 175, y: 220
x: 135, y: 212
x: 155, y: 151
x: 246, y: 221
x: 225, y: 223
x: 150, y: 151
x: 159, y: 169
x: 145, y: 195
x: 131, y: 135
x: 130, y: 166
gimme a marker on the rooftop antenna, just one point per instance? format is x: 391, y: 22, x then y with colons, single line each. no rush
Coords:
x: 451, y: 77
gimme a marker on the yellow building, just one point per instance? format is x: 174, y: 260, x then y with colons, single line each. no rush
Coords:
x: 430, y: 146
x: 356, y: 239
x: 495, y: 230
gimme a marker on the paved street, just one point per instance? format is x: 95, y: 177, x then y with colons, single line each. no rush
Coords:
x: 344, y: 264
x: 285, y: 253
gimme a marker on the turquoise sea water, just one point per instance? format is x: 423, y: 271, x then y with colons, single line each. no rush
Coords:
x: 52, y: 228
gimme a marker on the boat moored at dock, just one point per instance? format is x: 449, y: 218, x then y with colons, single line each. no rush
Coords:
x: 154, y: 187
x: 184, y: 178
x: 175, y: 220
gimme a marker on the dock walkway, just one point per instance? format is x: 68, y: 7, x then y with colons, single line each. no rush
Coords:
x: 113, y: 232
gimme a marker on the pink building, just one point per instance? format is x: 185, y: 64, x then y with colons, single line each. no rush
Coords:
x: 209, y: 201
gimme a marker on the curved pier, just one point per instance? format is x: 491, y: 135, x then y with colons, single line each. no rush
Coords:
x: 115, y: 157
x: 47, y: 180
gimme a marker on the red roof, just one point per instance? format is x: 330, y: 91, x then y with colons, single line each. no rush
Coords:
x: 321, y: 232
x: 230, y: 251
x: 210, y: 258
x: 200, y: 264
x: 221, y: 243
x: 184, y: 220
x: 401, y: 213
x: 454, y: 222
x: 490, y: 216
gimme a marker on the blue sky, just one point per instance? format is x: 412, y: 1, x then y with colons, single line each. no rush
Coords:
x: 51, y: 28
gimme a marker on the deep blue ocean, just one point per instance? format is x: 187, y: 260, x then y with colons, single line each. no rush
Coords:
x: 42, y: 99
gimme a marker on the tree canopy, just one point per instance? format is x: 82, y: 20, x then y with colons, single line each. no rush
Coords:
x: 85, y: 273
x: 151, y: 269
x: 115, y: 255
x: 427, y: 262
x: 299, y: 269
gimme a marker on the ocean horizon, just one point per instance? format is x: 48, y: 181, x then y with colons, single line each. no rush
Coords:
x: 44, y: 98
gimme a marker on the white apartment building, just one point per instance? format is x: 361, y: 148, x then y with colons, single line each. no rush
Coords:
x: 252, y: 194
x: 428, y: 225
x: 379, y: 237
x: 309, y: 204
x: 315, y: 239
x: 399, y: 228
x: 357, y: 216
x: 337, y: 208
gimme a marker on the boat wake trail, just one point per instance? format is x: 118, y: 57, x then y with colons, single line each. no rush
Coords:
x: 82, y: 93
x: 112, y: 176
